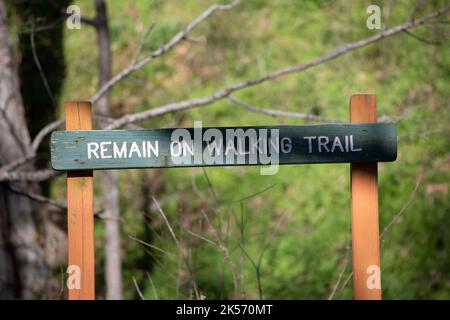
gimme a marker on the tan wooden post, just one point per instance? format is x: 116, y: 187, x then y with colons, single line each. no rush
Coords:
x: 80, y: 214
x: 364, y: 203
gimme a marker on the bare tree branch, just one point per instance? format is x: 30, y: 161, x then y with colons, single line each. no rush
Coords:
x: 47, y: 129
x: 422, y: 134
x: 227, y: 91
x: 42, y: 28
x: 43, y: 133
x: 60, y: 205
x: 135, y: 65
x: 219, y: 94
x: 282, y: 113
x: 108, y: 120
x: 35, y: 196
x: 34, y: 146
x: 307, y: 116
x: 33, y: 176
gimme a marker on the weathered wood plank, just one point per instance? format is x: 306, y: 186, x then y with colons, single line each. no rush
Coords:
x: 117, y: 149
x: 80, y: 215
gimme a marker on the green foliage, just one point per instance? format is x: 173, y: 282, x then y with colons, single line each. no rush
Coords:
x: 300, y: 219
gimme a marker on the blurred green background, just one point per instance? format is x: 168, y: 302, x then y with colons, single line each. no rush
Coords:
x: 284, y: 236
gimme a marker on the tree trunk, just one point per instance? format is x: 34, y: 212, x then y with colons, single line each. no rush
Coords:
x: 41, y: 101
x: 23, y: 272
x: 113, y: 261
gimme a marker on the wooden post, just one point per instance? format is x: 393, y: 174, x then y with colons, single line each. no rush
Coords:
x: 364, y: 199
x: 80, y: 214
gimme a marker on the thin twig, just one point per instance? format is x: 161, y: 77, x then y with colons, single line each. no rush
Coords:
x: 149, y: 245
x: 405, y: 206
x: 35, y: 29
x: 202, y: 238
x: 153, y: 286
x: 225, y: 251
x: 60, y: 205
x: 182, y: 256
x: 137, y: 289
x: 211, y: 187
x: 172, y: 233
x: 31, y: 176
x: 35, y: 196
x: 257, y: 193
x: 282, y: 113
x: 39, y: 67
x: 426, y: 41
x: 346, y: 262
x: 34, y: 146
x: 147, y: 32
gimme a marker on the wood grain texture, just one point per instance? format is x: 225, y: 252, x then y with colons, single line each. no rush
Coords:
x: 80, y: 215
x: 364, y: 204
x: 378, y: 142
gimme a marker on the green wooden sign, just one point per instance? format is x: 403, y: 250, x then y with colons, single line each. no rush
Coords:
x: 223, y: 146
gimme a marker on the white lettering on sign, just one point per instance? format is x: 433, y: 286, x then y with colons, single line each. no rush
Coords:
x: 217, y: 146
x: 325, y: 144
x: 235, y: 146
x: 120, y: 152
x: 239, y: 145
x: 286, y: 145
x: 124, y: 150
x: 104, y: 150
x: 92, y: 148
